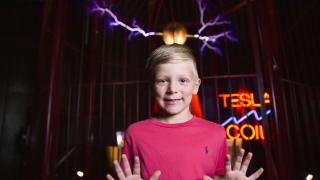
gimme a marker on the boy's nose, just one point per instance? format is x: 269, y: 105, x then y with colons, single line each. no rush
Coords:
x: 172, y: 88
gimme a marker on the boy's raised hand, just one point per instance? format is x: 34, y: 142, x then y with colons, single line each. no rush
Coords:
x: 239, y: 170
x: 126, y: 173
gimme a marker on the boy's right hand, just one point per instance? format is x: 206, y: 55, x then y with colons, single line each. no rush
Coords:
x: 126, y: 173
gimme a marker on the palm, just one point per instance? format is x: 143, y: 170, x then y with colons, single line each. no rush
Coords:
x: 235, y: 175
x: 133, y: 177
x: 126, y: 173
x: 239, y: 170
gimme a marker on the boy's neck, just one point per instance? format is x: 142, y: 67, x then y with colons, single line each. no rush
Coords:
x: 173, y: 119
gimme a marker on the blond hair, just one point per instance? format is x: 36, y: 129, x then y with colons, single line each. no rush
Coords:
x: 170, y: 54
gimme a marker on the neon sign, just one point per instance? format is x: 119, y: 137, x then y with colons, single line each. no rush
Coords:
x: 248, y: 114
x: 255, y: 132
x: 242, y: 100
x: 245, y: 131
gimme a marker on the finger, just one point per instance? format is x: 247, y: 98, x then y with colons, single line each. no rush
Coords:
x: 126, y: 165
x: 155, y: 175
x: 206, y: 178
x: 109, y: 177
x: 246, y: 162
x: 256, y: 174
x: 227, y: 165
x: 118, y: 170
x: 136, y: 166
x: 237, y: 164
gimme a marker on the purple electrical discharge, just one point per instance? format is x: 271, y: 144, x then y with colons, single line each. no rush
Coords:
x: 134, y: 29
x: 209, y: 41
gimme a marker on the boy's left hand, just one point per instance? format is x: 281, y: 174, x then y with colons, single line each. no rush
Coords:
x: 239, y: 170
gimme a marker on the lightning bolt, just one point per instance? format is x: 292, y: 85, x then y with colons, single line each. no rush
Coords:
x: 238, y: 121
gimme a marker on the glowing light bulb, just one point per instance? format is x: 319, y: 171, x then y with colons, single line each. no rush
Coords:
x: 180, y: 37
x: 80, y: 173
x: 174, y: 33
x: 168, y: 37
x: 309, y: 177
x: 119, y: 135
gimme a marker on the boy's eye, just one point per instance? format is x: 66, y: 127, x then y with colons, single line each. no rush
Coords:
x: 184, y: 81
x: 161, y: 81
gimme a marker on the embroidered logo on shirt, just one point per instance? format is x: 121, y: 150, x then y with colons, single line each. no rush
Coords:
x: 206, y: 149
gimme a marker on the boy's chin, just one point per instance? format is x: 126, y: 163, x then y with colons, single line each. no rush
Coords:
x: 170, y: 112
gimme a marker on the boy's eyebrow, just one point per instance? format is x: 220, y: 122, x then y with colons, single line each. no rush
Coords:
x: 161, y: 77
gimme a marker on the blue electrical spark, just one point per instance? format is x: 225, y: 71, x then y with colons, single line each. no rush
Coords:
x: 238, y: 121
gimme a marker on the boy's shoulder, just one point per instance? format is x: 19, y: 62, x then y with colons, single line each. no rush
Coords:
x: 210, y: 125
x: 139, y: 124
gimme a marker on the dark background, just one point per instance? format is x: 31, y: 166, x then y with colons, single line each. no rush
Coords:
x: 67, y: 82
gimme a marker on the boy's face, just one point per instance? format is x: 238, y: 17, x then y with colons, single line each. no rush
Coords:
x: 173, y: 86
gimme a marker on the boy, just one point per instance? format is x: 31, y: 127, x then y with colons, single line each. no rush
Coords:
x: 174, y: 144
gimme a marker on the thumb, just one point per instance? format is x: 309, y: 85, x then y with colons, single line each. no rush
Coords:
x: 206, y: 178
x: 155, y: 175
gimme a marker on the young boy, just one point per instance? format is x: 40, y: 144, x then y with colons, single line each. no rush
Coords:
x: 174, y: 144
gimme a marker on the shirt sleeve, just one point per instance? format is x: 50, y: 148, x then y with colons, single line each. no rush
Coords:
x: 220, y: 170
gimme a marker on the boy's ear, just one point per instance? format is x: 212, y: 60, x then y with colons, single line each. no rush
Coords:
x: 196, y: 87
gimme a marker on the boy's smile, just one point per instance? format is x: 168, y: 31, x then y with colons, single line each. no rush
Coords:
x: 174, y: 84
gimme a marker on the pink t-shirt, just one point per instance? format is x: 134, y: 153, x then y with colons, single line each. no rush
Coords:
x: 187, y: 150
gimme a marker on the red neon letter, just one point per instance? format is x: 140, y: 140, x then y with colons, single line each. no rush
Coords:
x: 235, y: 100
x: 256, y: 127
x: 224, y: 97
x: 261, y: 132
x: 244, y: 97
x: 229, y: 134
x: 266, y: 98
x: 252, y: 101
x: 252, y: 132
